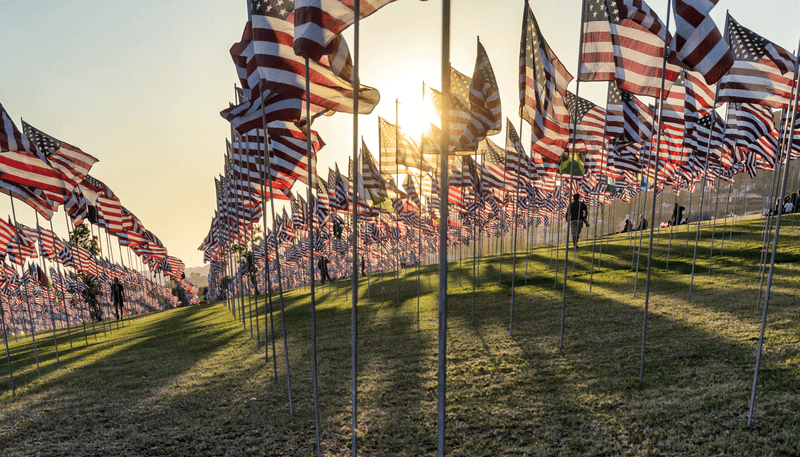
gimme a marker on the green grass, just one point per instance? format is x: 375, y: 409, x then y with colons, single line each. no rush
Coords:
x: 191, y: 381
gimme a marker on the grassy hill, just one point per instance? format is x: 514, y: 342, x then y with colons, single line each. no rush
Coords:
x: 193, y: 381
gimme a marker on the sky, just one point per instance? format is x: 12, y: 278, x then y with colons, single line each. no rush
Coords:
x: 140, y: 85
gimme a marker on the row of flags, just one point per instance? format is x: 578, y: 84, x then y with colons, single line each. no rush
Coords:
x: 676, y: 140
x: 45, y: 173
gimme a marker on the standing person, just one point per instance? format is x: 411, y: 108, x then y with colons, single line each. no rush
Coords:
x: 576, y: 216
x: 677, y: 214
x: 118, y: 297
x: 362, y: 266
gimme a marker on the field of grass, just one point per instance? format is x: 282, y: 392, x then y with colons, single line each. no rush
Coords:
x: 192, y: 381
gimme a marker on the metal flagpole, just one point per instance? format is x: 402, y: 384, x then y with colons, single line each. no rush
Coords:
x: 69, y: 234
x: 267, y: 275
x: 27, y: 302
x: 655, y: 188
x: 705, y: 172
x: 354, y: 286
x: 8, y: 353
x: 793, y: 106
x: 63, y: 292
x: 443, y: 197
x: 514, y: 255
x: 603, y: 164
x: 571, y: 171
x: 311, y: 260
x: 44, y: 272
x: 277, y: 254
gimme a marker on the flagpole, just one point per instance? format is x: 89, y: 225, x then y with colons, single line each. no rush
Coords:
x: 603, y: 165
x: 69, y: 234
x: 443, y: 197
x: 571, y: 170
x: 5, y: 341
x: 705, y: 171
x: 267, y: 273
x: 27, y: 301
x: 354, y: 286
x: 516, y: 221
x: 312, y: 294
x: 63, y: 292
x: 794, y: 102
x: 44, y: 267
x: 277, y: 254
x: 661, y: 98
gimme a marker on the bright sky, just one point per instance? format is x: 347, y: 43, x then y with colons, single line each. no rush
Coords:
x: 139, y: 85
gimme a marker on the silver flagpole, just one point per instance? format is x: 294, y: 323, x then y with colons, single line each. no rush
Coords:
x: 27, y: 302
x: 277, y: 254
x: 514, y: 254
x: 354, y: 287
x: 774, y: 250
x: 571, y: 170
x: 311, y: 264
x: 443, y: 196
x: 655, y: 189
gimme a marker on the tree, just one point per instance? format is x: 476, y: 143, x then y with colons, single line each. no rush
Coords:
x: 81, y: 236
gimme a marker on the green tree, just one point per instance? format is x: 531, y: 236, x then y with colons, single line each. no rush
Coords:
x: 82, y: 237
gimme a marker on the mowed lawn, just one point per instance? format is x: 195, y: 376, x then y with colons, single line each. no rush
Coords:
x: 193, y: 381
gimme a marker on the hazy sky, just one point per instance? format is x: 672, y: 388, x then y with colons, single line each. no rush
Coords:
x: 139, y: 85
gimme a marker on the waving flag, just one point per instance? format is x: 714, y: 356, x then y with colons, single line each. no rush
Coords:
x: 542, y: 90
x: 70, y: 161
x: 484, y: 99
x: 317, y: 22
x: 762, y: 73
x: 24, y: 165
x: 697, y: 40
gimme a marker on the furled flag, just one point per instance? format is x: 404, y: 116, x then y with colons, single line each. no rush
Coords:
x: 484, y: 99
x: 317, y: 22
x: 698, y: 42
x: 762, y: 72
x: 542, y: 90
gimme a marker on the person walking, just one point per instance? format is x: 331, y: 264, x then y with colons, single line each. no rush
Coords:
x: 577, y: 212
x: 118, y: 297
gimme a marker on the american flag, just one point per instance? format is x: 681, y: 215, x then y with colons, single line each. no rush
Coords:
x: 484, y: 99
x: 288, y: 143
x: 48, y: 243
x: 411, y: 190
x: 698, y: 42
x: 70, y: 161
x: 318, y: 22
x: 21, y: 164
x: 109, y: 208
x: 493, y: 169
x: 265, y: 54
x: 623, y: 40
x: 762, y: 73
x: 515, y: 156
x: 6, y: 233
x: 747, y: 122
x: 638, y: 36
x: 589, y: 121
x: 543, y: 83
x: 628, y: 119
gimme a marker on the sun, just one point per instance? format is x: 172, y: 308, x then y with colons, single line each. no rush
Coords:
x: 416, y: 117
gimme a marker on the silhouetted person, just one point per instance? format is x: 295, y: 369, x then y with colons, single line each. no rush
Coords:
x: 642, y: 223
x: 576, y: 216
x: 677, y: 214
x: 118, y: 297
x: 362, y: 267
x: 628, y: 226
